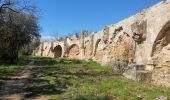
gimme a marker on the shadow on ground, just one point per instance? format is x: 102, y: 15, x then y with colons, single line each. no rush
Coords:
x: 41, y: 84
x: 47, y: 76
x: 54, y: 77
x: 73, y: 80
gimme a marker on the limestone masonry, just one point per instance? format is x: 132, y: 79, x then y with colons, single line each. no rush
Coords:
x: 138, y: 47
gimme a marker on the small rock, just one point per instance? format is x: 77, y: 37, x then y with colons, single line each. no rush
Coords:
x: 139, y: 97
x: 161, y: 98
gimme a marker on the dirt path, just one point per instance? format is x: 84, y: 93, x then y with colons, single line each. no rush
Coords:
x: 13, y: 88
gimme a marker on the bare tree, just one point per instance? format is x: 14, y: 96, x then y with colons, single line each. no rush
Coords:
x: 16, y: 6
x: 18, y: 27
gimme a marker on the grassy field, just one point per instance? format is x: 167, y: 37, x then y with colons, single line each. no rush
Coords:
x: 63, y: 79
x: 9, y: 71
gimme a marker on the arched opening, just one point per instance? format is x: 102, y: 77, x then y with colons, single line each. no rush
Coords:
x: 73, y: 51
x: 161, y: 47
x: 57, y: 51
x: 122, y: 49
x: 161, y: 57
x: 98, y: 52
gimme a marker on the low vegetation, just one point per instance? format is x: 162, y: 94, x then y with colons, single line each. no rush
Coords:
x: 8, y: 71
x: 64, y: 79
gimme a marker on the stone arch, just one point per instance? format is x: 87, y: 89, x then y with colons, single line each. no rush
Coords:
x: 57, y: 51
x: 161, y: 47
x: 73, y: 51
x: 162, y: 39
x: 122, y: 49
x: 87, y: 50
x: 98, y: 52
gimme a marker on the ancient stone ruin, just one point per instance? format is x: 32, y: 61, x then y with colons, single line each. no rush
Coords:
x: 138, y: 46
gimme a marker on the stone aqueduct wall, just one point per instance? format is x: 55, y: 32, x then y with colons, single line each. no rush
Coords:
x: 142, y: 39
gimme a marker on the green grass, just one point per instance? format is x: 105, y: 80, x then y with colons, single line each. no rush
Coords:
x: 9, y: 71
x: 65, y: 79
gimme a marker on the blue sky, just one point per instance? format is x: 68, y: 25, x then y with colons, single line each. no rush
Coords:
x: 68, y: 16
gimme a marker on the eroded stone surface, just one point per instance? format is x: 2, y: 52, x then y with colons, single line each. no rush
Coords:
x: 122, y: 50
x: 74, y: 52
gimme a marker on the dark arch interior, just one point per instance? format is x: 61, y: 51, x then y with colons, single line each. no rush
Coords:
x: 162, y: 40
x: 58, y: 51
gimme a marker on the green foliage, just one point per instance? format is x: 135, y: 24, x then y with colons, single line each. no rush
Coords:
x: 18, y: 29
